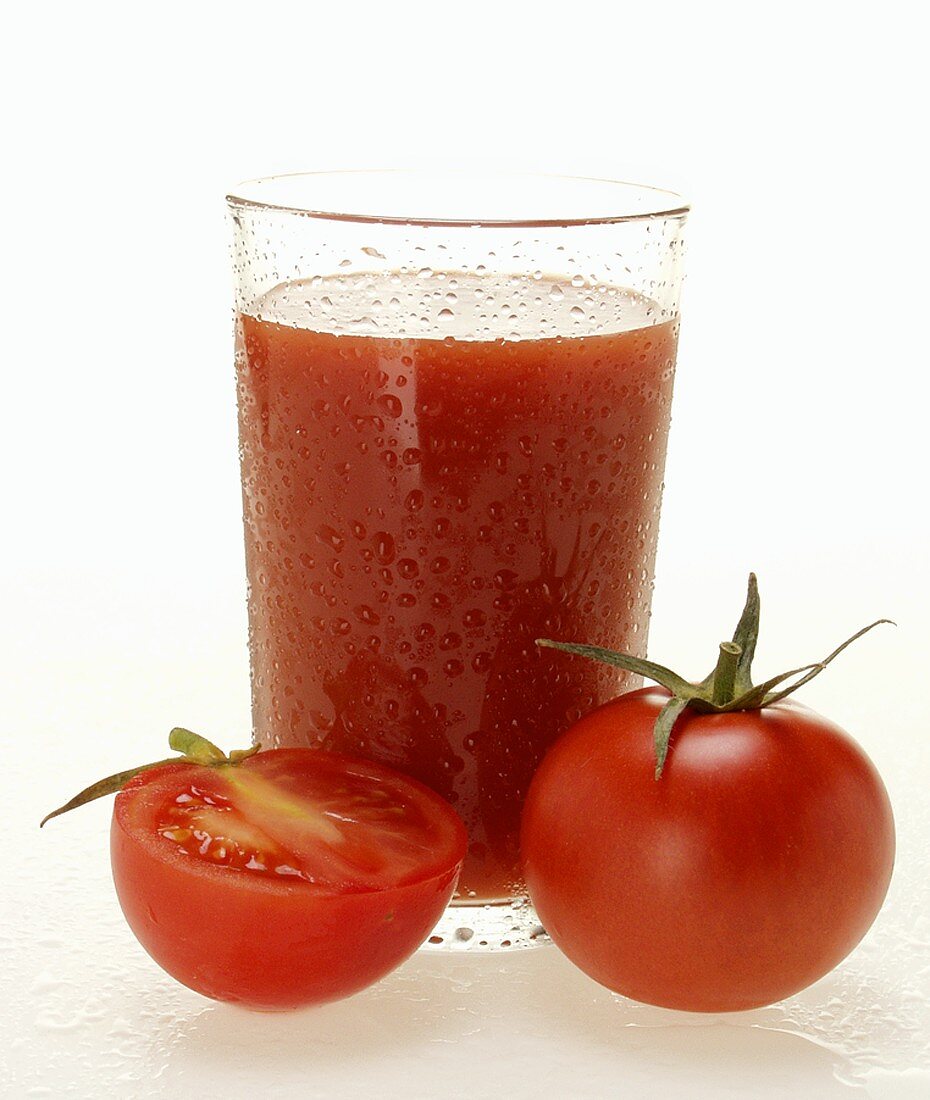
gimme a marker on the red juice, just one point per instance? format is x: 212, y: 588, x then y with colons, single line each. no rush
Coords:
x: 420, y: 508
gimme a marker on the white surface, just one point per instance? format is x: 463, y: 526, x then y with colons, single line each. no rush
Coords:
x: 85, y: 1013
x: 798, y: 435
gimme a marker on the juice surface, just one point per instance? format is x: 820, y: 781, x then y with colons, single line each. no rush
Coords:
x: 420, y: 506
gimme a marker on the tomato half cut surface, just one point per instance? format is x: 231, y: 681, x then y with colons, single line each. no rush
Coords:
x: 294, y: 877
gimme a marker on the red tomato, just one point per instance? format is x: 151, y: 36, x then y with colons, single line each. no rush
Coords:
x: 754, y: 864
x: 294, y: 877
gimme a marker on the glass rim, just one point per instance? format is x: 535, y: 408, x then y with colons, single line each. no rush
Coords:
x: 257, y: 194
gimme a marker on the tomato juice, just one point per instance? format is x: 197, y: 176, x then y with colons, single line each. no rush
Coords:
x: 424, y: 498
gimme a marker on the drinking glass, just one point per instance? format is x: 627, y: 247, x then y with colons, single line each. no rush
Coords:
x: 454, y: 395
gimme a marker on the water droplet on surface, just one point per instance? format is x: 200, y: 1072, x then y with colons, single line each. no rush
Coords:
x: 481, y: 662
x: 408, y: 569
x: 330, y: 537
x: 391, y: 405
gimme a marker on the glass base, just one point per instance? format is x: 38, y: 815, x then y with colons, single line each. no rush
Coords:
x: 501, y: 926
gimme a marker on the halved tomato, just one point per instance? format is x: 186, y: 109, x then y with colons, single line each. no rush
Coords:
x: 293, y: 877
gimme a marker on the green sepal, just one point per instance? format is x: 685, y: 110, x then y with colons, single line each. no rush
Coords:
x: 195, y: 747
x: 103, y: 787
x: 727, y: 688
x: 745, y: 636
x: 236, y: 756
x: 816, y: 669
x: 676, y: 684
x: 195, y: 750
x: 662, y: 730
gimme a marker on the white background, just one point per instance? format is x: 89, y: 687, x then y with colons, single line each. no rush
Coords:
x: 798, y: 450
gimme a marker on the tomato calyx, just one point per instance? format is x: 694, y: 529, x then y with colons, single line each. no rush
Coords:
x: 193, y: 748
x: 728, y: 687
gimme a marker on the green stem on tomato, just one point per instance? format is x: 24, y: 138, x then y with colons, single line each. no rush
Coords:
x: 725, y: 673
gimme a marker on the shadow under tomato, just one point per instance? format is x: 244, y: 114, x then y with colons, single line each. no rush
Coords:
x: 528, y: 1020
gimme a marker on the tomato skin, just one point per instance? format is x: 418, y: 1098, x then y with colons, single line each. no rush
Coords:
x: 265, y: 942
x: 749, y: 870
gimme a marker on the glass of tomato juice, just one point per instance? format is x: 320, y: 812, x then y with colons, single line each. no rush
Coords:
x: 454, y: 395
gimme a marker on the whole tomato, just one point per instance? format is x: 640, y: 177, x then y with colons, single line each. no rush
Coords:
x: 724, y: 869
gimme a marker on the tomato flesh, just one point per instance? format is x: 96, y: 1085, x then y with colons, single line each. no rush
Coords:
x: 294, y: 877
x: 748, y: 871
x: 209, y: 827
x: 343, y: 830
